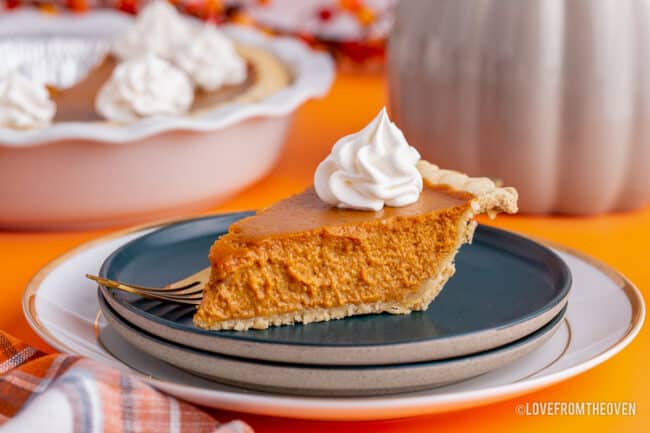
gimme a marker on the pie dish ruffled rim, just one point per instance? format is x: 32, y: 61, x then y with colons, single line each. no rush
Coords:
x: 312, y: 76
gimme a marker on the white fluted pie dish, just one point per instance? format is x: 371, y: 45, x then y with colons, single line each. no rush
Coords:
x: 76, y: 174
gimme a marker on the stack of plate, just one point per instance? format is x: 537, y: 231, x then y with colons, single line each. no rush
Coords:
x: 508, y: 297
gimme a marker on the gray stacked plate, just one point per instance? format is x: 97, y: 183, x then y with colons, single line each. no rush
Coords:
x: 507, y: 298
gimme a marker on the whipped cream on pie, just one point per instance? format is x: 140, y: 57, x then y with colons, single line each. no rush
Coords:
x: 159, y: 29
x: 24, y: 103
x: 210, y: 59
x: 142, y: 87
x: 370, y: 169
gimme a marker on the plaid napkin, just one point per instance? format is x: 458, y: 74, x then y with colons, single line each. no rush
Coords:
x: 62, y: 393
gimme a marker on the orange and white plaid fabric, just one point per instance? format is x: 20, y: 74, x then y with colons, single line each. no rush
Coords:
x: 63, y: 393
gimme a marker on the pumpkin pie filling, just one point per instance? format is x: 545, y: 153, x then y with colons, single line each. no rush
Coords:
x: 265, y: 264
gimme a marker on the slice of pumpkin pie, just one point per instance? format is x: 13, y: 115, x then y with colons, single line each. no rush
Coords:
x: 377, y: 233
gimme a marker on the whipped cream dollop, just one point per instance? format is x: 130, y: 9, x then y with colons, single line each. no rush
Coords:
x: 370, y: 169
x: 158, y: 29
x: 145, y: 86
x: 24, y: 103
x: 210, y: 59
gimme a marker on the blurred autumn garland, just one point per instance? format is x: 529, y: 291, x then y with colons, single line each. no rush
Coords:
x: 368, y: 46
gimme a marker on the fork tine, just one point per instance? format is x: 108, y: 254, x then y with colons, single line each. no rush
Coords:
x: 193, y: 297
x: 171, y: 290
x: 202, y: 277
x: 113, y: 284
x: 189, y: 301
x: 198, y: 296
x: 197, y: 288
x: 183, y: 290
x: 197, y: 281
x: 116, y: 285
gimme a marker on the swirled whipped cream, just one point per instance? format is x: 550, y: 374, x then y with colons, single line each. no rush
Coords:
x: 24, y: 103
x: 210, y: 59
x: 159, y: 29
x: 142, y: 87
x: 370, y: 169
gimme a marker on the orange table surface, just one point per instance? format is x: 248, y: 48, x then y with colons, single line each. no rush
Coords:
x: 620, y: 240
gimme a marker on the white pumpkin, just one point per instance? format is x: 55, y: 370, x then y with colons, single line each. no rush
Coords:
x: 552, y: 96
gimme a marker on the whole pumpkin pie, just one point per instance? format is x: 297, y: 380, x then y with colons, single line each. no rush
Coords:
x: 378, y: 233
x: 163, y: 64
x: 265, y: 75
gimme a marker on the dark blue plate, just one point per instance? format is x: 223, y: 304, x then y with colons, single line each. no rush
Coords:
x: 505, y: 287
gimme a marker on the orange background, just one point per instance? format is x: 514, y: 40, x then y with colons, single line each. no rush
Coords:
x: 620, y: 240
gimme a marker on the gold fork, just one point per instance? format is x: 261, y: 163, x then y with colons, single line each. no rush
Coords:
x: 186, y: 291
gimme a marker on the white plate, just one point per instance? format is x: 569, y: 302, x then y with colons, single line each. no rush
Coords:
x: 605, y: 313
